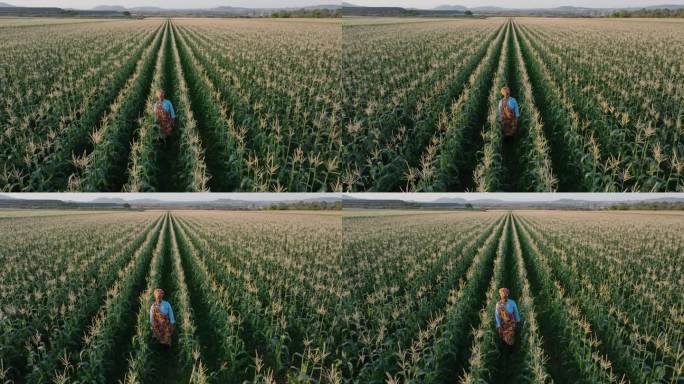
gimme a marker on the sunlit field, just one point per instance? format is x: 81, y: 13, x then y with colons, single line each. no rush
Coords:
x: 598, y: 292
x: 258, y: 105
x: 601, y: 104
x: 254, y: 296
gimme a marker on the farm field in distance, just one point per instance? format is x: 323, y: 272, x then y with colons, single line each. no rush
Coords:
x: 258, y: 105
x: 599, y: 294
x: 602, y: 104
x: 251, y: 292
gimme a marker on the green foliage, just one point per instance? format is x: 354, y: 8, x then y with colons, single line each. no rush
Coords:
x: 659, y: 13
x: 239, y: 315
x: 304, y: 206
x: 105, y: 165
x: 594, y: 115
x: 313, y: 13
x: 249, y: 119
x: 589, y: 309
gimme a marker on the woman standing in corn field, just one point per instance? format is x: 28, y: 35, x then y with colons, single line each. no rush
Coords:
x: 507, y: 318
x: 161, y: 318
x: 509, y: 113
x: 164, y: 115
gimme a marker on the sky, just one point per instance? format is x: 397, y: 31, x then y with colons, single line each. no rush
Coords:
x: 518, y: 196
x: 88, y: 4
x: 85, y: 197
x: 516, y: 4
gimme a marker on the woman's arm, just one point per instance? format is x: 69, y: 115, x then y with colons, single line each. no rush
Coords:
x: 172, y: 319
x: 517, y: 109
x: 172, y: 112
x: 496, y: 316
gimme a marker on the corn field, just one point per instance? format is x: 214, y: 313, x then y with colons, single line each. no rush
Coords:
x: 369, y: 297
x: 599, y: 295
x: 258, y: 105
x: 602, y: 105
x: 254, y: 296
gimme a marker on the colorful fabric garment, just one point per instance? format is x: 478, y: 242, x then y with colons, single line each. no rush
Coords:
x: 161, y: 317
x: 509, y: 112
x: 164, y: 116
x: 166, y: 310
x: 507, y: 317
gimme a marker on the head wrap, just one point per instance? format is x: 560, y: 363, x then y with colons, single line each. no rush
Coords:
x: 503, y: 292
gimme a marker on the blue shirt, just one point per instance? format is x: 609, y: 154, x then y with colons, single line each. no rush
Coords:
x: 513, y: 104
x: 166, y: 106
x: 165, y: 308
x: 510, y: 307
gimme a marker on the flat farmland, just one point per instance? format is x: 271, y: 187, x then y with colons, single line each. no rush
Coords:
x: 602, y: 104
x: 598, y: 293
x: 254, y: 296
x: 258, y: 105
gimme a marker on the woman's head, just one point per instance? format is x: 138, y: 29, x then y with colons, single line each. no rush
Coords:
x: 158, y: 294
x: 160, y: 94
x: 503, y: 293
x: 505, y: 91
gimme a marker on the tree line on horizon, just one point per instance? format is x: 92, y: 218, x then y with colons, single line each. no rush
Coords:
x: 657, y: 13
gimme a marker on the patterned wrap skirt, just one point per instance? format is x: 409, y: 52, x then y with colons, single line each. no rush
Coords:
x: 510, y: 127
x: 164, y: 121
x: 508, y: 323
x: 161, y: 326
x: 509, y: 122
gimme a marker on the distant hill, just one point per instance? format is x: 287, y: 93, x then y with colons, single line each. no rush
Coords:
x: 353, y: 10
x: 446, y: 203
x: 229, y: 11
x: 665, y: 6
x: 487, y: 9
x: 450, y: 8
x: 108, y: 200
x: 378, y: 11
x: 13, y: 11
x: 146, y: 9
x: 323, y: 202
x: 104, y: 10
x: 451, y: 200
x: 447, y: 10
x: 116, y: 8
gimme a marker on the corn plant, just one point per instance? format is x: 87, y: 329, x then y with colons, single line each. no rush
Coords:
x: 453, y: 159
x: 141, y: 352
x: 60, y: 327
x: 101, y: 342
x: 588, y: 123
x: 259, y: 111
x: 143, y: 168
x: 291, y: 134
x: 192, y: 172
x: 483, y: 350
x: 597, y: 293
x: 489, y: 171
x: 55, y: 87
x: 102, y: 168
